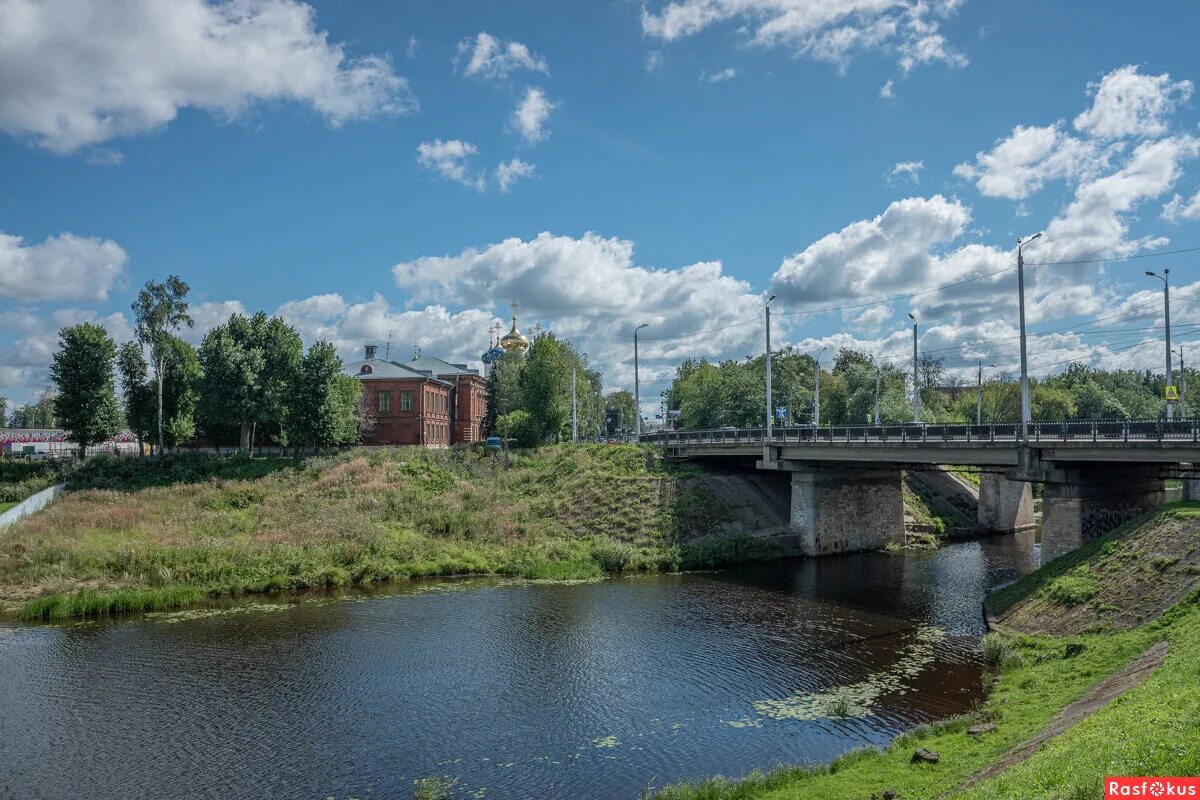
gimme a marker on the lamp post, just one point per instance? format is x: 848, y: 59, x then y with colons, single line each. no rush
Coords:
x: 637, y: 387
x: 1167, y: 324
x: 916, y: 379
x: 770, y: 405
x: 1025, y: 413
x: 817, y: 394
x: 979, y: 400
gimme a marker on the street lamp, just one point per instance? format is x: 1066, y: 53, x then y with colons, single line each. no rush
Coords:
x: 916, y: 385
x: 637, y: 387
x: 817, y: 394
x: 979, y: 400
x: 770, y: 405
x: 1167, y: 322
x: 1025, y: 413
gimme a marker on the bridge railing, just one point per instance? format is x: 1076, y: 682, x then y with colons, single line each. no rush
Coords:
x: 1154, y: 430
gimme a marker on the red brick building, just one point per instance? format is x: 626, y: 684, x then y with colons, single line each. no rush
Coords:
x: 426, y: 401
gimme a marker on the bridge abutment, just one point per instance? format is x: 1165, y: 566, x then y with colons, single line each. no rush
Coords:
x: 1082, y: 504
x: 1005, y: 506
x: 844, y: 508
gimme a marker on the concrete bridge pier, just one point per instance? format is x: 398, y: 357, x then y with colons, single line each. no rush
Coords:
x: 1084, y: 503
x: 844, y: 507
x: 1005, y: 506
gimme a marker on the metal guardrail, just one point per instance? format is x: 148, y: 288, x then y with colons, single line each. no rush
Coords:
x: 1000, y: 433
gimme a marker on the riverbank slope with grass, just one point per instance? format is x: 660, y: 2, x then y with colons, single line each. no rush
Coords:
x: 147, y: 534
x: 1064, y: 712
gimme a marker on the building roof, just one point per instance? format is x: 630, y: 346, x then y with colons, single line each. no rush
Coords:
x: 439, y: 366
x: 382, y: 369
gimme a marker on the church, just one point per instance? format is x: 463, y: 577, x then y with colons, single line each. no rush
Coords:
x: 427, y: 401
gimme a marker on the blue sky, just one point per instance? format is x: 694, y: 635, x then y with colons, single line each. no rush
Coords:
x: 671, y: 163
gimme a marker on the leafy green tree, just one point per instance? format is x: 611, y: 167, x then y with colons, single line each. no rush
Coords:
x: 138, y: 394
x: 322, y: 410
x: 518, y: 426
x: 3, y: 411
x: 82, y: 370
x: 182, y: 371
x: 545, y: 386
x: 503, y: 388
x: 160, y: 309
x: 622, y: 401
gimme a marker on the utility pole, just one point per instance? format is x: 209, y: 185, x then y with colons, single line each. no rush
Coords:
x: 770, y: 405
x: 979, y: 400
x: 637, y: 386
x: 916, y: 379
x: 574, y: 409
x: 1167, y: 322
x: 1182, y: 385
x: 878, y: 369
x: 817, y: 393
x: 1025, y: 412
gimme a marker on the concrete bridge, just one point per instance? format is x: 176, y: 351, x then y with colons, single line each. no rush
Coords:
x: 846, y: 487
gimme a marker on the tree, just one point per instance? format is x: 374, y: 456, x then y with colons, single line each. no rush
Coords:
x: 503, y: 388
x: 322, y: 407
x: 83, y: 371
x: 545, y: 385
x: 138, y: 394
x: 159, y: 310
x: 182, y: 370
x: 3, y: 411
x: 622, y: 401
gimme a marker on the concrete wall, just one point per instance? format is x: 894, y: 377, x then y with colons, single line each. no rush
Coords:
x: 1083, y: 505
x: 846, y: 508
x: 1005, y: 506
x: 30, y: 505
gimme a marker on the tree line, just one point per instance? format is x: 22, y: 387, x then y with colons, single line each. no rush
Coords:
x: 250, y: 380
x: 733, y: 393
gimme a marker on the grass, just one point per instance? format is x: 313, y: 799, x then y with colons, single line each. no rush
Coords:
x: 5, y: 506
x: 149, y: 534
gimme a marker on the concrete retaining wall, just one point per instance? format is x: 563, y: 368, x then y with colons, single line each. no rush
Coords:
x: 30, y: 505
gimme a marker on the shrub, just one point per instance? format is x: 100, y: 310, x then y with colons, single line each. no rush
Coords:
x: 611, y: 555
x: 999, y: 652
x: 1073, y: 589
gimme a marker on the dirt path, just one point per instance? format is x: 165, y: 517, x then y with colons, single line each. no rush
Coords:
x: 1111, y: 688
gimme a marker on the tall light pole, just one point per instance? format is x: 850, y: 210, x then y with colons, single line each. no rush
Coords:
x: 1167, y: 322
x: 979, y: 400
x: 878, y: 370
x: 770, y: 405
x: 637, y: 386
x: 916, y: 384
x: 817, y: 394
x: 1025, y: 413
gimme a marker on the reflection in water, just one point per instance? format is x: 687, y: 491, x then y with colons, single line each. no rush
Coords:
x: 514, y: 689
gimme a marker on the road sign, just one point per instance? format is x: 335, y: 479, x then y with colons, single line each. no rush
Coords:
x: 1172, y: 392
x: 780, y: 412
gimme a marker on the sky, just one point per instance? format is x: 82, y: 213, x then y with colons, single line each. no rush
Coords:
x: 400, y: 171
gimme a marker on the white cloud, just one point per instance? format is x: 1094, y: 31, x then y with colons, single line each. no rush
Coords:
x: 1128, y: 103
x: 1020, y: 164
x: 413, y: 47
x: 654, y: 60
x: 907, y: 169
x: 105, y: 157
x: 488, y: 57
x: 509, y: 172
x: 830, y: 30
x: 727, y: 74
x: 529, y: 118
x: 81, y: 72
x: 888, y: 90
x: 1178, y: 209
x: 63, y: 267
x: 450, y: 159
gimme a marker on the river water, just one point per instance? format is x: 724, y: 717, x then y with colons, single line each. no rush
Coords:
x: 512, y: 689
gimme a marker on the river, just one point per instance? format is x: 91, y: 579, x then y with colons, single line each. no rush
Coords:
x: 512, y: 689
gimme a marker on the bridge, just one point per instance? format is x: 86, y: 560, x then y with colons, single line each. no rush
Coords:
x: 846, y: 479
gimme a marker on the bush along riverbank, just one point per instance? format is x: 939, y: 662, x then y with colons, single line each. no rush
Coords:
x: 150, y: 534
x: 1033, y: 736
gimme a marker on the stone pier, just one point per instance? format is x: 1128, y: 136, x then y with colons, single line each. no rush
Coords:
x: 1005, y: 506
x: 1082, y: 504
x: 842, y: 508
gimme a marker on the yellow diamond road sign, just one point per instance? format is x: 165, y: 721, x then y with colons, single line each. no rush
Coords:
x: 1172, y: 392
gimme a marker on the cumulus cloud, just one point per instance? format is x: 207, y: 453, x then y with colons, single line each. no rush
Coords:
x: 654, y: 60
x: 1020, y: 164
x: 509, y: 172
x: 720, y: 76
x: 529, y: 118
x: 1127, y: 103
x: 1177, y: 209
x: 63, y: 267
x: 906, y: 169
x: 451, y: 160
x: 485, y: 56
x: 81, y: 72
x: 888, y: 90
x: 833, y: 31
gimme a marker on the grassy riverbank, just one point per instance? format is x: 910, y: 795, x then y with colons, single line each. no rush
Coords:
x: 138, y: 534
x: 1152, y: 730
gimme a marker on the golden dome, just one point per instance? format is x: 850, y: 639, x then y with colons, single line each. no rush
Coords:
x: 514, y: 340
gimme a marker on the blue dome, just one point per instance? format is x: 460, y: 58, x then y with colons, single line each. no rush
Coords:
x: 492, y: 355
